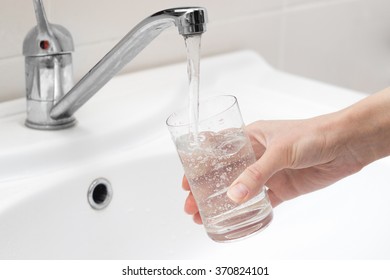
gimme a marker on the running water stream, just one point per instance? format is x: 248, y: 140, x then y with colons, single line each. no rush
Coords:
x: 193, y: 68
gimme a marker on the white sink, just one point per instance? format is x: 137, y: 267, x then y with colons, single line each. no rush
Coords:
x: 121, y: 136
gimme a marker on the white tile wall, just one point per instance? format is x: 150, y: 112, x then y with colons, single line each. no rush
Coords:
x: 345, y: 42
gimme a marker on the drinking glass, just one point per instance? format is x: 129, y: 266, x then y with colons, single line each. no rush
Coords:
x: 213, y: 154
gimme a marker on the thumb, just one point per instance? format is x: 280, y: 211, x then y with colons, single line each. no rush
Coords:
x: 254, y: 177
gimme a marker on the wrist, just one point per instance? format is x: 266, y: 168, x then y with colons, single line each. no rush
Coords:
x: 364, y: 128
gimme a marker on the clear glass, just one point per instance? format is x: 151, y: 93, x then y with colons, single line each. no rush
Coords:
x: 212, y: 160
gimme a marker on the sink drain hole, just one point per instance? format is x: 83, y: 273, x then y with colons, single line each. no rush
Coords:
x: 99, y: 193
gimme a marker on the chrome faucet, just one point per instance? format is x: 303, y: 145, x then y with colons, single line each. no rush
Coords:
x: 52, y: 98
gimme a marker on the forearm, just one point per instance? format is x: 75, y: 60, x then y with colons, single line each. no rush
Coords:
x: 365, y: 127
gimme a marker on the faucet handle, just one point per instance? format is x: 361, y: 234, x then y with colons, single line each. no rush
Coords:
x: 48, y: 70
x: 46, y: 38
x: 43, y: 23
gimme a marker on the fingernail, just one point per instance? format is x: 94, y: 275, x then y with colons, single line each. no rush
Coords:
x: 237, y: 192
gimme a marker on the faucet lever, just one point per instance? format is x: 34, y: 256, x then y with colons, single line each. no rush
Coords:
x: 43, y: 24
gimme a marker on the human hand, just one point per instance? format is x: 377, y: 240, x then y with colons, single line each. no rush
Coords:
x: 296, y: 157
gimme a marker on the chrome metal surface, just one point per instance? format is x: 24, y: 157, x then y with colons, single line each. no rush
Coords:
x: 46, y: 38
x: 188, y: 20
x: 48, y: 67
x: 49, y: 79
x: 99, y: 193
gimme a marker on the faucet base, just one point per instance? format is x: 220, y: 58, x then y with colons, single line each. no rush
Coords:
x: 62, y: 124
x: 38, y: 116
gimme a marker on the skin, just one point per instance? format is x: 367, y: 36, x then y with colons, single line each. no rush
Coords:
x: 296, y: 157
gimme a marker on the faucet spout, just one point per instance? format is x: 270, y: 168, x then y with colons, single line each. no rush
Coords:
x: 189, y: 21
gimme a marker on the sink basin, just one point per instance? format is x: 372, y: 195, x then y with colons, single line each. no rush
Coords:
x: 121, y: 136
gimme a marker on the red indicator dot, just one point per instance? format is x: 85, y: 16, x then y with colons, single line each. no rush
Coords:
x: 44, y: 45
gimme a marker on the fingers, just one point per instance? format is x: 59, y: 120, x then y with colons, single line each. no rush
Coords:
x: 190, y: 206
x: 254, y: 177
x: 197, y: 219
x: 275, y: 201
x: 184, y: 184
